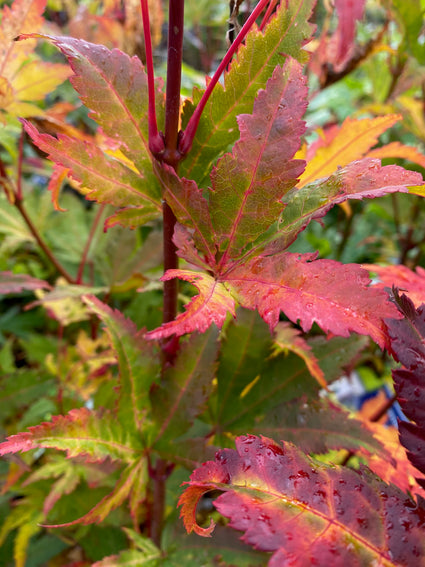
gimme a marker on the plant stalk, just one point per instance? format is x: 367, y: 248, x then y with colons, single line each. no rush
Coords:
x: 170, y: 156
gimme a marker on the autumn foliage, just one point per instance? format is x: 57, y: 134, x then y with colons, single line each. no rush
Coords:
x: 183, y: 313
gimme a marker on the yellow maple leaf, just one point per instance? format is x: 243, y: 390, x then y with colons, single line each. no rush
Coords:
x: 340, y: 146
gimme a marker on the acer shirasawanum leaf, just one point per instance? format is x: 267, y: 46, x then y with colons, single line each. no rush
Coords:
x: 249, y: 183
x: 305, y: 289
x: 185, y: 387
x: 210, y: 306
x: 317, y: 426
x: 15, y: 283
x: 252, y: 383
x: 412, y: 283
x: 340, y: 145
x: 114, y: 87
x: 362, y: 179
x: 80, y: 433
x: 138, y: 366
x: 129, y: 478
x: 102, y: 178
x: 254, y: 63
x: 24, y: 78
x: 307, y: 513
x: 408, y: 347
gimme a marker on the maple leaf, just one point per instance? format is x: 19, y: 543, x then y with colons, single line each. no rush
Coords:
x: 14, y: 283
x: 246, y: 191
x: 309, y: 290
x: 185, y: 387
x: 364, y: 178
x: 305, y: 289
x: 254, y: 388
x: 285, y: 35
x: 288, y: 504
x: 407, y: 345
x: 412, y: 283
x: 317, y: 426
x: 122, y: 490
x: 398, y: 470
x: 340, y: 145
x: 114, y: 87
x: 210, y: 306
x: 24, y: 78
x: 398, y: 150
x: 102, y: 179
x: 80, y: 432
x: 335, y: 51
x: 138, y: 367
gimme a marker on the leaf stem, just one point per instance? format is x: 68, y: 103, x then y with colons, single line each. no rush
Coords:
x: 189, y: 134
x: 156, y: 144
x: 93, y: 228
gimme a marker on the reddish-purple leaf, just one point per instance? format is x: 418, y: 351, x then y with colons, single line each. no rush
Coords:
x: 249, y: 183
x: 408, y: 347
x: 333, y: 295
x: 307, y: 513
x: 412, y: 283
x: 342, y: 43
x: 15, y: 283
x: 210, y: 306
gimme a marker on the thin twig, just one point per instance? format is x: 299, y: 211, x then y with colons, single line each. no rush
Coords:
x: 93, y: 228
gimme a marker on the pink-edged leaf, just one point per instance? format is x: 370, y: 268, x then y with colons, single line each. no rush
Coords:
x: 186, y: 248
x: 137, y: 363
x: 102, y: 178
x: 361, y: 179
x: 191, y: 209
x: 249, y: 183
x: 412, y: 283
x: 210, y: 306
x: 306, y: 513
x: 56, y: 181
x: 285, y: 35
x: 288, y: 338
x: 114, y: 87
x: 121, y: 491
x: 15, y: 283
x: 80, y: 433
x: 408, y: 347
x: 333, y: 295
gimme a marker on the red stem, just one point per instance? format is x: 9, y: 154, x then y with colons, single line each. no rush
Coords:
x: 171, y: 156
x: 268, y: 13
x: 189, y: 134
x: 156, y: 144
